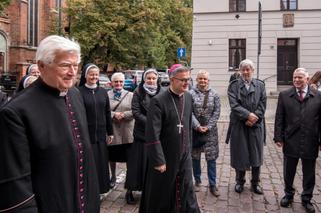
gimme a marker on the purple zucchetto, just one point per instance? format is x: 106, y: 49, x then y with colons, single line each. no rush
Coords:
x: 173, y: 68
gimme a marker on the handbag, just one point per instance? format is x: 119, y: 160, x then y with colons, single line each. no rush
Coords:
x: 200, y: 138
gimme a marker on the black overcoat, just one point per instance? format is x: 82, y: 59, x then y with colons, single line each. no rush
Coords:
x: 297, y: 124
x: 43, y: 153
x: 140, y: 105
x: 171, y: 191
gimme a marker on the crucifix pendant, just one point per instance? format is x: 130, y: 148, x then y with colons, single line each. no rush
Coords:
x: 179, y: 126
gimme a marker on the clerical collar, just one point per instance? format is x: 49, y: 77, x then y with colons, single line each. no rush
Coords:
x: 94, y: 86
x: 50, y: 89
x: 63, y: 94
x: 174, y: 93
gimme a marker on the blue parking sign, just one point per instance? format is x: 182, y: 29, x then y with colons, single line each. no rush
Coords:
x: 181, y: 52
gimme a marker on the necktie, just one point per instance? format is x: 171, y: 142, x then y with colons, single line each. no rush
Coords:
x: 301, y: 97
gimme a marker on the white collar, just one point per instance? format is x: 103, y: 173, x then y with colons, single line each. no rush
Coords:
x: 63, y: 94
x: 94, y: 86
x: 305, y: 89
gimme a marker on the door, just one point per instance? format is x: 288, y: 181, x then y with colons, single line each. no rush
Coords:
x: 287, y: 60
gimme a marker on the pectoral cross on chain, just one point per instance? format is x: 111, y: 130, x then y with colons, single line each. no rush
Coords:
x: 179, y: 126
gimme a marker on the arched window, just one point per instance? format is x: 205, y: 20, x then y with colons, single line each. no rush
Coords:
x: 33, y: 23
x: 3, y: 54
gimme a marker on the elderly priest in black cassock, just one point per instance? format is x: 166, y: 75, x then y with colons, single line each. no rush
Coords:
x: 169, y: 183
x: 46, y: 161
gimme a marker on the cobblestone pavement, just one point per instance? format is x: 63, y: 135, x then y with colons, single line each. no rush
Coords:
x: 230, y: 201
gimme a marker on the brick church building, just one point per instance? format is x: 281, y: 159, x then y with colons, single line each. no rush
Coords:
x: 23, y: 24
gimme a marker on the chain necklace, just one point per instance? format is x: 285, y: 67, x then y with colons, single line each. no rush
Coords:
x: 179, y: 126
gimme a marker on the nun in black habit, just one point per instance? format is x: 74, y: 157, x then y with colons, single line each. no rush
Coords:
x: 99, y: 121
x: 32, y: 70
x: 136, y: 163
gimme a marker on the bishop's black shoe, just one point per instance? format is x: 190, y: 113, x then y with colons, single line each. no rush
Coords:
x: 308, y: 206
x: 239, y: 188
x: 286, y: 201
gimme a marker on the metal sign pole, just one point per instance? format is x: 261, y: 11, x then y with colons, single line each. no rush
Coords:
x: 259, y: 39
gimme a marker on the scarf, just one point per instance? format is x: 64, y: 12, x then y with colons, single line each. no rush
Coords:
x: 150, y: 89
x: 117, y: 94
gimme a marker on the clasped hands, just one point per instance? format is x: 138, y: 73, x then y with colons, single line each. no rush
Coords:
x: 202, y: 129
x: 118, y: 116
x: 251, y: 119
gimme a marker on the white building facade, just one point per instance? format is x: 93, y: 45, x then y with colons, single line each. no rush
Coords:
x: 226, y: 32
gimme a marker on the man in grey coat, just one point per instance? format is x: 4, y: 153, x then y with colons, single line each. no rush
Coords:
x: 297, y: 131
x: 247, y: 100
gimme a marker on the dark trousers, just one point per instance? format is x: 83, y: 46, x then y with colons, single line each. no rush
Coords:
x: 308, y: 170
x: 240, y: 176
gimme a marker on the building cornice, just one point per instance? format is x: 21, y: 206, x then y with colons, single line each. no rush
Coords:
x: 255, y: 11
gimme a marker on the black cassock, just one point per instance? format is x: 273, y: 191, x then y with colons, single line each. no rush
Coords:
x: 46, y: 161
x: 171, y: 191
x: 99, y: 125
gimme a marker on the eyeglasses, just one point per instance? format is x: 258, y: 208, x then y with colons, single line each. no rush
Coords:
x: 185, y: 80
x: 67, y: 66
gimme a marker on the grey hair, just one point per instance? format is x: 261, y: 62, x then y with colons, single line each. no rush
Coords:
x: 303, y: 70
x: 202, y: 72
x: 118, y: 75
x: 178, y: 70
x: 246, y: 63
x: 52, y: 45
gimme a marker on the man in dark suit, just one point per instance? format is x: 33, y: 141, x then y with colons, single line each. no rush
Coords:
x: 297, y: 131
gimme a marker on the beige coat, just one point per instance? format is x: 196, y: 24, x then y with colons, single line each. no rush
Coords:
x: 123, y: 130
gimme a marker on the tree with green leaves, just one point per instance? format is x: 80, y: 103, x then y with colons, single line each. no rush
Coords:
x: 130, y: 33
x: 3, y: 5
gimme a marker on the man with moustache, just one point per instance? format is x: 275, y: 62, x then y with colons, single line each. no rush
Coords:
x: 169, y: 181
x: 46, y: 161
x: 297, y: 131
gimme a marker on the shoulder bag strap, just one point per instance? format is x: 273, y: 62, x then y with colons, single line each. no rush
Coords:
x: 120, y: 102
